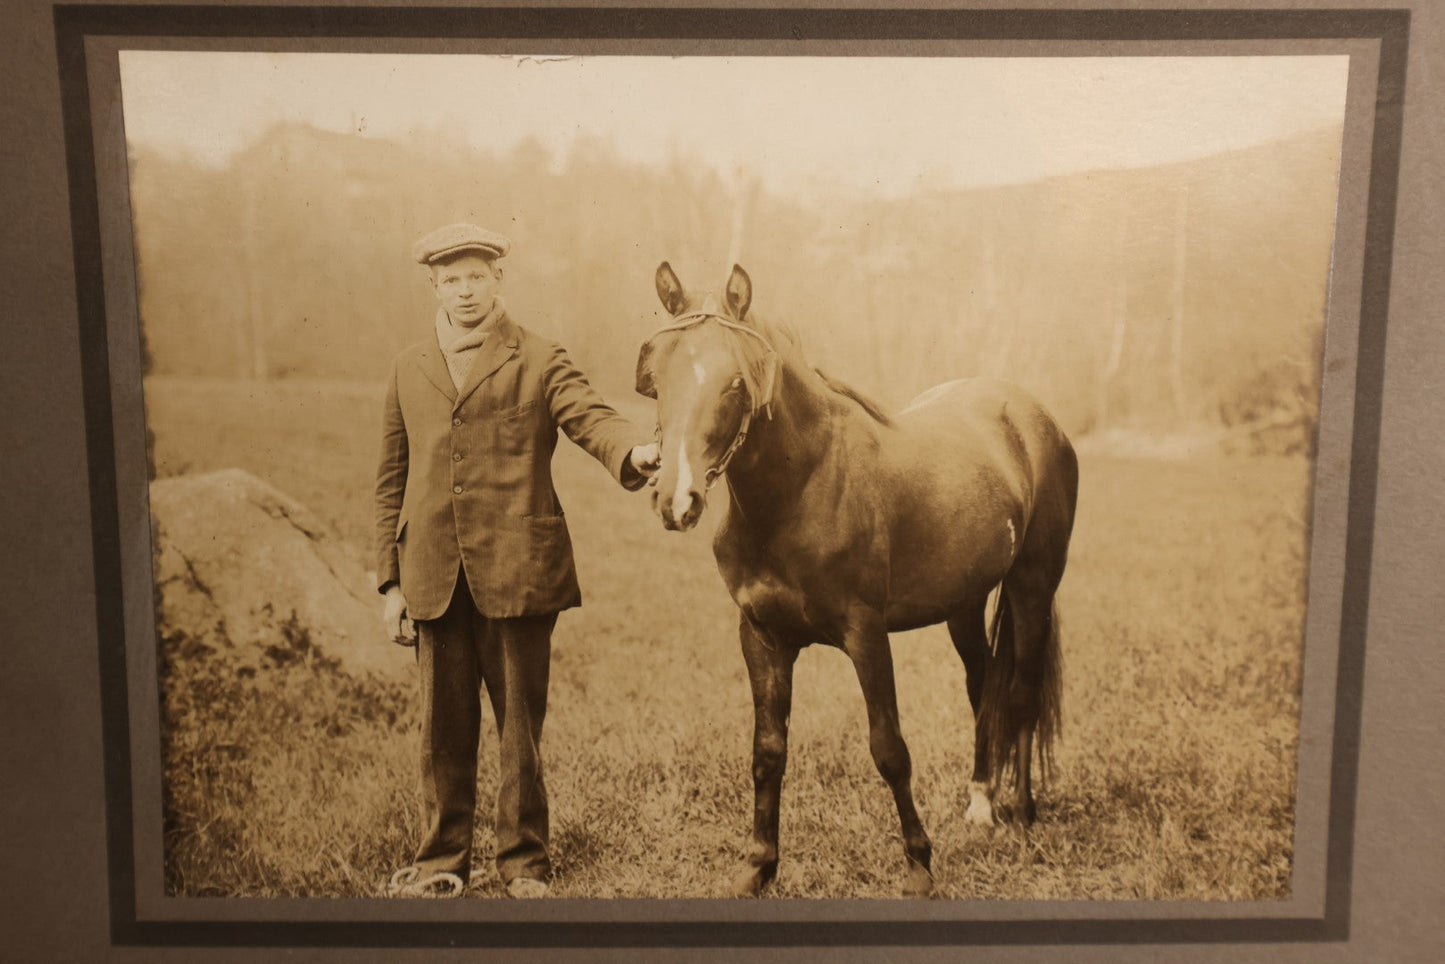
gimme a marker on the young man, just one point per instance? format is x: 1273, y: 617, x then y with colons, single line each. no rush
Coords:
x: 474, y: 556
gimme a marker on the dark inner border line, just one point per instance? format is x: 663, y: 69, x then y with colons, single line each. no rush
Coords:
x: 73, y: 23
x: 1364, y: 469
x: 633, y: 23
x: 100, y: 462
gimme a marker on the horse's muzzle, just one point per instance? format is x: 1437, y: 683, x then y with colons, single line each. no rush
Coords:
x: 680, y: 512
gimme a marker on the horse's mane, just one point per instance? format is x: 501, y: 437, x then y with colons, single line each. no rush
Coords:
x: 789, y: 345
x: 864, y: 402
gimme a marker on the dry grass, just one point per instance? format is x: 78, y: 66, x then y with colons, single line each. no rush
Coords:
x: 1182, y: 616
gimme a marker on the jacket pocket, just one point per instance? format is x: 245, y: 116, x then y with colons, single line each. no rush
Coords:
x: 515, y: 428
x: 550, y: 552
x: 516, y: 411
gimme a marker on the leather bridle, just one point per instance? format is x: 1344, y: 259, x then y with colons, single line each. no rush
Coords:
x: 763, y: 404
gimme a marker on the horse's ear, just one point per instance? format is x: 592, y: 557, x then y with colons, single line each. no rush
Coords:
x: 646, y: 381
x: 669, y: 289
x: 739, y: 292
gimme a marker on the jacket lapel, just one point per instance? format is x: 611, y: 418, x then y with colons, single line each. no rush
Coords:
x: 434, y: 366
x: 498, y: 348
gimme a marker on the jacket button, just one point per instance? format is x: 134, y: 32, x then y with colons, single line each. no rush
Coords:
x: 456, y: 421
x: 456, y: 456
x: 457, y: 489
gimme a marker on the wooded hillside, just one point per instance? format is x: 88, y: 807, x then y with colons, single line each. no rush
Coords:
x: 1149, y: 298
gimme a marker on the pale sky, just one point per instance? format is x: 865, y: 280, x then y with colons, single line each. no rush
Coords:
x: 885, y: 125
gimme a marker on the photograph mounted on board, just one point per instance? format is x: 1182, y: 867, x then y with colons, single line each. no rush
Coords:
x: 883, y: 475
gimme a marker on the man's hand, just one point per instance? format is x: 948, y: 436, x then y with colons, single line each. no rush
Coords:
x: 399, y: 626
x: 645, y: 459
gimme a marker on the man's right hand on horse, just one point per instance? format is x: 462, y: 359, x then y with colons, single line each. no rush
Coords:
x: 399, y: 626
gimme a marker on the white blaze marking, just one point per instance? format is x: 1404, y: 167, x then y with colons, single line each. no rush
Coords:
x: 697, y: 369
x: 682, y: 495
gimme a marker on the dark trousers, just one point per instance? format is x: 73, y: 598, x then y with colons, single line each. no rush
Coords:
x: 458, y: 654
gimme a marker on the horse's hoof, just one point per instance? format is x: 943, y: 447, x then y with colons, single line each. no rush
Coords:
x: 919, y: 882
x: 1022, y: 814
x: 1018, y: 816
x: 751, y: 881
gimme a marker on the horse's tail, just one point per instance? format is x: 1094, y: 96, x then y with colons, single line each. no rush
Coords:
x: 1051, y: 696
x: 1020, y: 694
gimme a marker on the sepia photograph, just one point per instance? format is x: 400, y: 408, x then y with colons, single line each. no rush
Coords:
x: 814, y: 477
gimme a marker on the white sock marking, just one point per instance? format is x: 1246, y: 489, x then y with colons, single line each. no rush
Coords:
x: 980, y: 808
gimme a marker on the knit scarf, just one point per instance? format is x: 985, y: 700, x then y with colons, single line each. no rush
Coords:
x: 460, y: 345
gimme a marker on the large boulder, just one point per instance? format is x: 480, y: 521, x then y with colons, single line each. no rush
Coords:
x: 243, y: 568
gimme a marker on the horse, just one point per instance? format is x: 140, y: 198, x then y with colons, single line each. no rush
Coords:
x: 845, y: 523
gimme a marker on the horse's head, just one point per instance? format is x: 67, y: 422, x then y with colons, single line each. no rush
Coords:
x: 711, y: 371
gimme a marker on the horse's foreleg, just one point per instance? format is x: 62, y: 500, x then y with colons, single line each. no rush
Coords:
x: 873, y: 662
x: 770, y: 671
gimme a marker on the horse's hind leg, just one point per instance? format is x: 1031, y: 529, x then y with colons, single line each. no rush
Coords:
x: 770, y: 671
x: 867, y: 646
x: 970, y: 639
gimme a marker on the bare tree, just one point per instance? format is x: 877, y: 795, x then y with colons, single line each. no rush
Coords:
x: 1115, y: 356
x: 252, y: 328
x: 1176, y: 340
x: 745, y: 189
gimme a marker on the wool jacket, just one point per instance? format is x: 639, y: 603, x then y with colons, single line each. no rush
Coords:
x: 465, y: 475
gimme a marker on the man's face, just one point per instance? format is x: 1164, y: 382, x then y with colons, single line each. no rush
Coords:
x: 466, y: 286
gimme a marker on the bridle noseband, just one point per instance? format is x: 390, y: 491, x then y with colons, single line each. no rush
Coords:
x: 765, y: 405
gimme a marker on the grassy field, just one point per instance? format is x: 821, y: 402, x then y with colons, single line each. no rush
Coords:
x: 1182, y: 612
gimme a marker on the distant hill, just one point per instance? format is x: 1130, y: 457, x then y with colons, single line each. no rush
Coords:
x: 1044, y: 282
x: 1146, y: 297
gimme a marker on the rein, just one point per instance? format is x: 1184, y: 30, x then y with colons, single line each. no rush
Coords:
x: 765, y: 405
